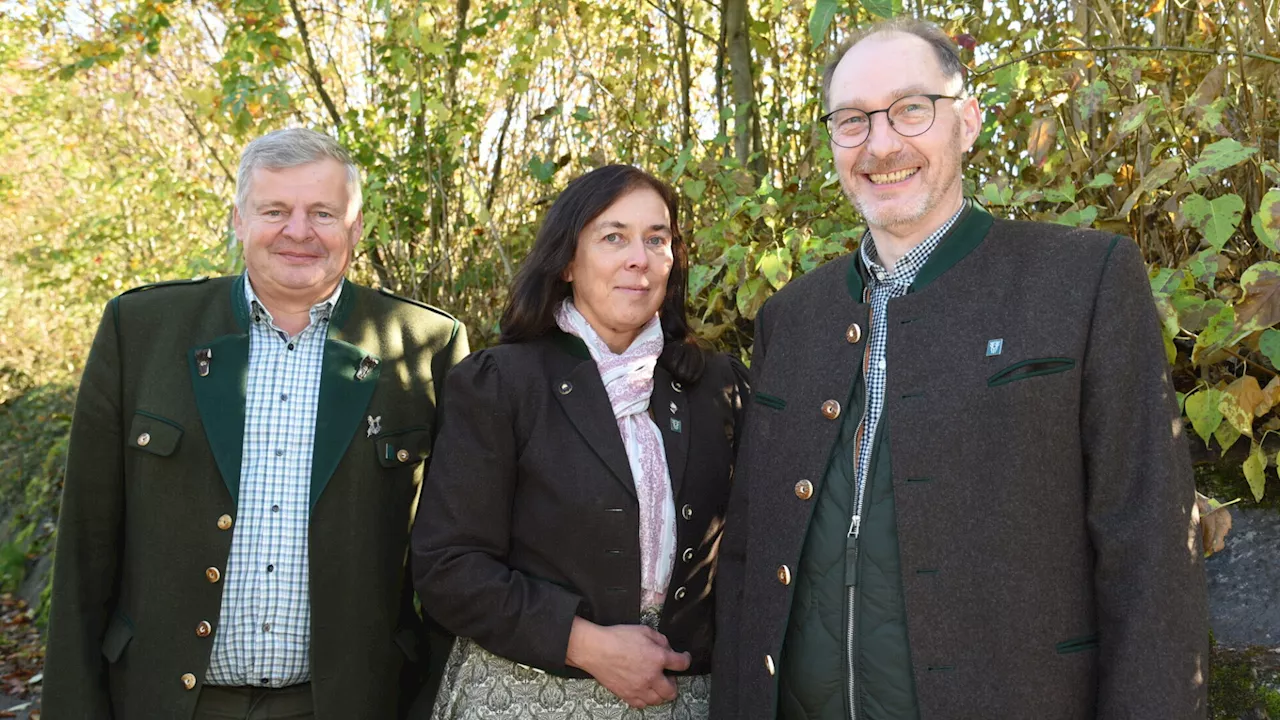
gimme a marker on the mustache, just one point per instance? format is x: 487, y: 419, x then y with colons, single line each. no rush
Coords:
x: 880, y: 166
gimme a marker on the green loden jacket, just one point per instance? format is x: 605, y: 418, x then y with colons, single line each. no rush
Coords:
x: 149, y: 503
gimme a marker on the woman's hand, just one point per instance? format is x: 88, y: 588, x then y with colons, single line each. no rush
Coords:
x: 628, y: 660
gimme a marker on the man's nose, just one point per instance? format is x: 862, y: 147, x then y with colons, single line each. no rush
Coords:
x: 298, y: 225
x: 883, y: 140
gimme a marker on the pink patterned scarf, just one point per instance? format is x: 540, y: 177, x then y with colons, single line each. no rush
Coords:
x: 628, y: 379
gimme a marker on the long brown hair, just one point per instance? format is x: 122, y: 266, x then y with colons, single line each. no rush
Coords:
x: 540, y: 287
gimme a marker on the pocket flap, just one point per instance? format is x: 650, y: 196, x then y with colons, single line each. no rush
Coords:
x: 398, y: 448
x: 154, y: 434
x: 1075, y: 645
x: 1034, y: 367
x: 119, y: 633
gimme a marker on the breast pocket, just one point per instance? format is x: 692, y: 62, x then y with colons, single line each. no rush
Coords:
x: 403, y: 448
x: 1031, y: 368
x: 153, y: 434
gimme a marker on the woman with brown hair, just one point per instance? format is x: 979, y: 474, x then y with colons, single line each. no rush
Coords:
x: 568, y: 528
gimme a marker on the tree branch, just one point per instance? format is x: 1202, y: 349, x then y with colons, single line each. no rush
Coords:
x: 312, y: 70
x: 1128, y: 48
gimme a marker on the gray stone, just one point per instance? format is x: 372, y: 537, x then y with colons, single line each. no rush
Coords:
x: 1244, y: 581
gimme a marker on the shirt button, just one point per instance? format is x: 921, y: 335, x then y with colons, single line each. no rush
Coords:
x: 275, y: 508
x: 284, y: 396
x: 271, y: 568
x: 881, y: 364
x: 265, y: 681
x: 290, y: 346
x: 266, y: 627
x: 279, y: 453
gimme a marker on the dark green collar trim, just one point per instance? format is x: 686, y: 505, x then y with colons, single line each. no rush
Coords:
x: 968, y: 232
x: 239, y: 303
x: 571, y: 344
x: 966, y: 235
x: 346, y: 301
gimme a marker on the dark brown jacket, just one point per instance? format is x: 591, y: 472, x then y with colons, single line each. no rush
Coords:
x: 1042, y: 486
x: 146, y: 525
x: 529, y: 514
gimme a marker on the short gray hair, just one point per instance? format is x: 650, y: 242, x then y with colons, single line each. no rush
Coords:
x: 944, y: 48
x: 289, y: 148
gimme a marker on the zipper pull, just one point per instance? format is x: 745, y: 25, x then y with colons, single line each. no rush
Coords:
x: 855, y: 525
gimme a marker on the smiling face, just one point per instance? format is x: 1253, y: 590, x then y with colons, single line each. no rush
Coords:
x: 620, y: 268
x: 903, y: 185
x: 298, y: 230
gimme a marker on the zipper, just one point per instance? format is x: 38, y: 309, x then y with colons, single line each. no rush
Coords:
x: 851, y: 539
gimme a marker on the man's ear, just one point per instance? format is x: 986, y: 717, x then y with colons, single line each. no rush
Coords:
x: 970, y: 121
x: 237, y: 223
x: 357, y: 229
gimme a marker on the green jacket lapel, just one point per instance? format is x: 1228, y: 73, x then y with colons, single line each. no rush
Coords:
x: 348, y: 378
x: 219, y: 373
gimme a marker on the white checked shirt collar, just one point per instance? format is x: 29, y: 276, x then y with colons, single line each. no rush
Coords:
x: 319, y: 311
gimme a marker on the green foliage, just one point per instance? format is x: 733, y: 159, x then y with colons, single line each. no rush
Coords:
x: 122, y: 123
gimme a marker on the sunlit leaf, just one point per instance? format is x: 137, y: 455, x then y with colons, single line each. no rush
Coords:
x: 1266, y: 221
x: 1216, y: 219
x: 1219, y: 156
x: 824, y: 11
x: 1255, y: 467
x: 1202, y: 410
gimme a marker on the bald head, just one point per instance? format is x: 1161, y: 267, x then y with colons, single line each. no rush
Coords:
x: 934, y: 44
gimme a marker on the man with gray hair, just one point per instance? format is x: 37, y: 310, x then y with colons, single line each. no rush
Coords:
x: 244, y: 466
x: 963, y: 491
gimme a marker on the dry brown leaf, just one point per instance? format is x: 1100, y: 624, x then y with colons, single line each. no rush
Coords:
x: 1249, y: 395
x: 1214, y: 525
x: 1041, y: 139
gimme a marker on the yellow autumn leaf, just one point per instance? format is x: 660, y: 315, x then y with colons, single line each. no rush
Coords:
x: 1240, y: 418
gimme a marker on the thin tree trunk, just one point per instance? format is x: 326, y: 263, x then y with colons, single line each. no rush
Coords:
x: 741, y: 84
x: 682, y: 55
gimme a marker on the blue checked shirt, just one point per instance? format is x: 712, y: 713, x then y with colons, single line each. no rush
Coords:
x: 882, y: 286
x: 263, y: 637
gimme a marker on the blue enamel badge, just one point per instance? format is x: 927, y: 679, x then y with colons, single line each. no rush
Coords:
x: 995, y: 347
x: 675, y: 425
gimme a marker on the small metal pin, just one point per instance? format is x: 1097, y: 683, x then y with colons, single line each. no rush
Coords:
x: 995, y: 347
x: 375, y: 427
x: 367, y: 364
x: 675, y: 425
x: 203, y: 356
x: 673, y: 408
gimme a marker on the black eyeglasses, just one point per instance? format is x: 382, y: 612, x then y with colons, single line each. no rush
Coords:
x: 909, y: 116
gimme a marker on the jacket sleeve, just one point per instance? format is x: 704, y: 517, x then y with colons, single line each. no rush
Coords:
x: 89, y: 539
x: 731, y: 565
x: 461, y: 534
x: 1149, y: 573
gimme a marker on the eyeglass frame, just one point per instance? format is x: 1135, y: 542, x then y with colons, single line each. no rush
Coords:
x: 933, y: 103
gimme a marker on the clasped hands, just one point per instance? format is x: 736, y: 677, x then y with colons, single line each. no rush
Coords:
x: 629, y: 660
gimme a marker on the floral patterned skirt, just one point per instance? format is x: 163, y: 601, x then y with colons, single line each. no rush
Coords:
x: 479, y: 685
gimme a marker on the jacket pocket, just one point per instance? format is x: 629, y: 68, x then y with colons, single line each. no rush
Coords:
x: 154, y: 434
x: 1034, y: 367
x: 119, y: 633
x: 401, y: 448
x: 768, y: 400
x: 1075, y: 645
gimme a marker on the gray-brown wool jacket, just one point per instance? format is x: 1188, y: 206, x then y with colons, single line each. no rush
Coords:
x: 1040, y: 475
